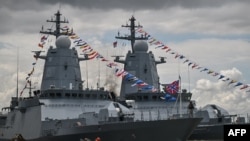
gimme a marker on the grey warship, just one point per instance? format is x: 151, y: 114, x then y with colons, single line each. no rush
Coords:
x: 156, y: 105
x: 63, y: 110
x: 142, y: 63
x: 214, y: 119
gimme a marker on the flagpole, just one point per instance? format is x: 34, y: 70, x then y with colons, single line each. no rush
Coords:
x: 87, y: 74
x: 179, y: 90
x: 180, y: 96
x: 188, y: 79
x: 17, y: 71
x: 98, y: 81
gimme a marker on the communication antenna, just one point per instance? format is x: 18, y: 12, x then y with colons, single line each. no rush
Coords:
x: 17, y: 71
x: 60, y: 6
x: 179, y: 91
x: 98, y: 79
x: 188, y: 80
x: 87, y: 75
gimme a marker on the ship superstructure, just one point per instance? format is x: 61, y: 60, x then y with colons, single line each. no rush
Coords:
x: 143, y: 64
x: 146, y: 68
x: 63, y: 110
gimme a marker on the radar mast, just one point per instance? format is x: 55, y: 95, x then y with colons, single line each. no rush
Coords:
x: 58, y: 22
x: 132, y: 36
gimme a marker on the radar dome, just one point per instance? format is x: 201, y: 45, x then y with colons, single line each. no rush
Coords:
x: 63, y: 42
x: 141, y: 46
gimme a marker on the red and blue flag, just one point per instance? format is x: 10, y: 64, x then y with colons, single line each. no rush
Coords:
x: 172, y: 88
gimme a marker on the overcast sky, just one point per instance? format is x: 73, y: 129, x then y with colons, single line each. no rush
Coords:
x: 215, y: 34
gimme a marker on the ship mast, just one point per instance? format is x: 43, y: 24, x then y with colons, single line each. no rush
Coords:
x: 17, y: 71
x: 132, y: 36
x: 63, y: 68
x: 58, y: 22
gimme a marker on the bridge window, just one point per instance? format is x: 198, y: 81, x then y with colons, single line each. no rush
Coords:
x: 67, y: 95
x: 101, y: 96
x: 80, y: 95
x: 139, y: 97
x: 74, y: 95
x: 58, y: 94
x: 94, y: 96
x: 154, y: 97
x: 145, y: 97
x: 87, y: 95
x: 52, y: 94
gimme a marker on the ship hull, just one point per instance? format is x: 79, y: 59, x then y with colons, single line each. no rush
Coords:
x: 171, y: 130
x: 208, y: 132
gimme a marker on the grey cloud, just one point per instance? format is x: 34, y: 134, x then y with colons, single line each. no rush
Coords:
x: 5, y: 19
x: 141, y: 4
x: 23, y: 16
x: 137, y: 4
x: 115, y: 4
x: 21, y: 5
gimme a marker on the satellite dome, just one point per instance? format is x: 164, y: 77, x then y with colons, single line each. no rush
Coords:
x: 141, y: 46
x: 63, y: 42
